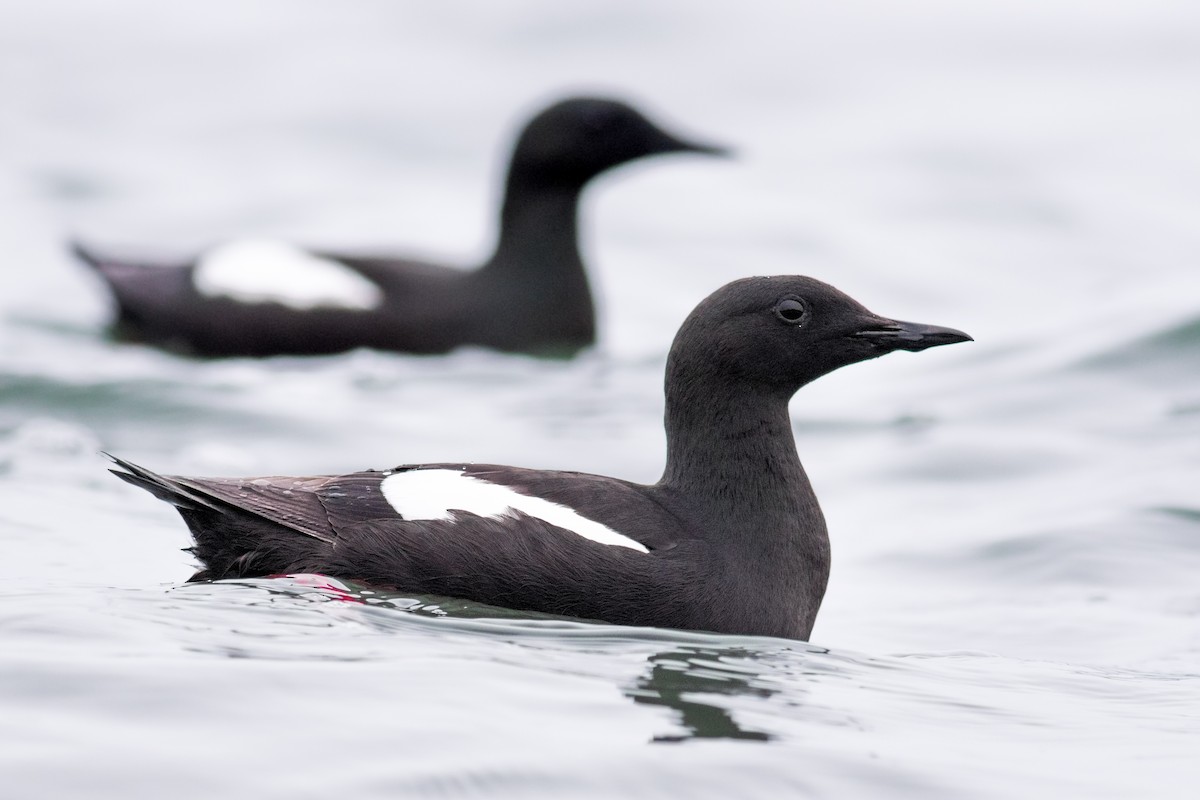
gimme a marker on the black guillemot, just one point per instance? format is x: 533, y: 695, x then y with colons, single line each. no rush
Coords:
x: 531, y: 296
x: 731, y: 539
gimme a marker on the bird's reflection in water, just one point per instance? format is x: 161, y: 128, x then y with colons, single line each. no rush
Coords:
x: 691, y: 680
x: 703, y: 684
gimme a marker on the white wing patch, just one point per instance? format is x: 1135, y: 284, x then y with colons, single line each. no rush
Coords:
x: 275, y: 272
x: 434, y: 493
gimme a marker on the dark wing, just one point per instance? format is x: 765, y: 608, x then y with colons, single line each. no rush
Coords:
x: 326, y: 506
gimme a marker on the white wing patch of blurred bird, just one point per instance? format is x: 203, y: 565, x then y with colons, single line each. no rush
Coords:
x: 275, y: 272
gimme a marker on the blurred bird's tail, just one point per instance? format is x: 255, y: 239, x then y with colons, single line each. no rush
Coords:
x: 85, y: 254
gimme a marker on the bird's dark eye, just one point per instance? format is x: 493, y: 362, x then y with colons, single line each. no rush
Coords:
x: 790, y: 310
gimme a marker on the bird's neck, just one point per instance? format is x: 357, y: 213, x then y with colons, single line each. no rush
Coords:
x: 536, y: 280
x: 539, y: 230
x: 732, y: 460
x: 735, y: 450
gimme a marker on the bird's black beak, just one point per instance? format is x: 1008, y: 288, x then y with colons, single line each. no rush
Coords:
x: 890, y: 334
x: 674, y: 144
x: 720, y: 151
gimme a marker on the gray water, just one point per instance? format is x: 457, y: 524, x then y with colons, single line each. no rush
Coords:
x: 1014, y: 609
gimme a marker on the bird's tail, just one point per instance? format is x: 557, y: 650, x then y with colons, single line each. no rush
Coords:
x: 229, y: 542
x: 160, y: 486
x: 113, y: 270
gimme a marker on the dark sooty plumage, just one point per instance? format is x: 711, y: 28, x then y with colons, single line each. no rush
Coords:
x: 730, y: 539
x: 530, y: 296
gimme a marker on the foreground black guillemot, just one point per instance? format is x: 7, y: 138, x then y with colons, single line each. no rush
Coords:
x: 530, y: 296
x: 731, y: 539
